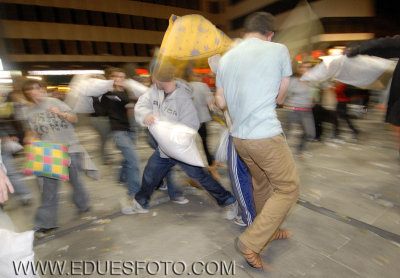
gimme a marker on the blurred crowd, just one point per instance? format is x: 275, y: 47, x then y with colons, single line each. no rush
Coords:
x: 121, y: 104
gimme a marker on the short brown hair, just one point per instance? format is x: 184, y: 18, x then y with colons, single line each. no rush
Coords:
x: 260, y: 22
x: 108, y: 71
x: 29, y: 83
x: 164, y: 72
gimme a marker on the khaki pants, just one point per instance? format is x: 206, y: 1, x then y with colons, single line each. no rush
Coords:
x: 275, y: 186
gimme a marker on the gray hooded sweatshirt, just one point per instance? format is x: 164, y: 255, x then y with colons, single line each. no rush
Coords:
x: 178, y: 106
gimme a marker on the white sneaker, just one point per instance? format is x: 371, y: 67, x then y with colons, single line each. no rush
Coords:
x: 138, y: 207
x: 164, y: 186
x: 180, y: 200
x: 127, y: 205
x: 239, y: 221
x: 231, y: 211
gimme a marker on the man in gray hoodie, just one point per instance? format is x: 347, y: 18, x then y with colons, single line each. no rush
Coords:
x: 171, y: 99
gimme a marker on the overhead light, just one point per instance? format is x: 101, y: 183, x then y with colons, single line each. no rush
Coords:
x: 64, y: 72
x: 34, y: 77
x: 9, y: 74
x: 7, y: 80
x: 5, y: 74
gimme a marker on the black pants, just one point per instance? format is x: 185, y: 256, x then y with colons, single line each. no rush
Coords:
x: 341, y: 110
x: 203, y: 135
x: 323, y: 115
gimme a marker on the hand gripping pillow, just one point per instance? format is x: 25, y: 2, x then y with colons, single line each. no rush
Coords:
x: 178, y: 141
x: 47, y: 160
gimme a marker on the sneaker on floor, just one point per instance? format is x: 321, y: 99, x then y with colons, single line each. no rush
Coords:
x: 43, y: 232
x: 180, y: 200
x: 123, y: 184
x: 164, y: 186
x: 231, y: 211
x: 82, y: 212
x: 238, y: 221
x: 127, y: 205
x: 137, y: 208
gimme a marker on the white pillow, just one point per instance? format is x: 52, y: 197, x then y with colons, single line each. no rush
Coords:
x: 221, y: 153
x: 360, y: 71
x: 11, y: 147
x: 83, y: 88
x: 177, y: 141
x: 135, y: 87
x: 16, y: 249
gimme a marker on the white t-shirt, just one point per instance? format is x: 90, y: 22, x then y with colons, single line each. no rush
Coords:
x: 250, y: 75
x: 50, y: 127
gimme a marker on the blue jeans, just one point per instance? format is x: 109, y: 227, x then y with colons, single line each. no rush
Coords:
x: 47, y: 213
x: 123, y: 178
x: 102, y: 126
x: 241, y: 184
x: 125, y: 143
x: 158, y: 167
x: 174, y: 191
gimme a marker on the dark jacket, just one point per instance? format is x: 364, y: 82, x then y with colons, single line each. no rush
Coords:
x: 112, y: 104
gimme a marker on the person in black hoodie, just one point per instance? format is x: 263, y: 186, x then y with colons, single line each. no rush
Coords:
x: 115, y: 105
x: 388, y: 47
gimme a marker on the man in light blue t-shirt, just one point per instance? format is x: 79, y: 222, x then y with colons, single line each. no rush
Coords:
x: 251, y: 79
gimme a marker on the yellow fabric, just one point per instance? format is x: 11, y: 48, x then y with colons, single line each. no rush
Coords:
x: 191, y: 39
x: 37, y: 166
x: 38, y: 150
x: 57, y: 153
x: 57, y: 169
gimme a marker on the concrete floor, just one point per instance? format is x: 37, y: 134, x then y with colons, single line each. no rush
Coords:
x: 346, y: 223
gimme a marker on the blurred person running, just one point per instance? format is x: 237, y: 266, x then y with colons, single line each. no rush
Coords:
x: 299, y: 101
x: 11, y: 134
x: 171, y: 99
x: 114, y: 105
x: 203, y: 98
x: 50, y: 120
x: 343, y: 99
x: 252, y: 78
x: 170, y: 182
